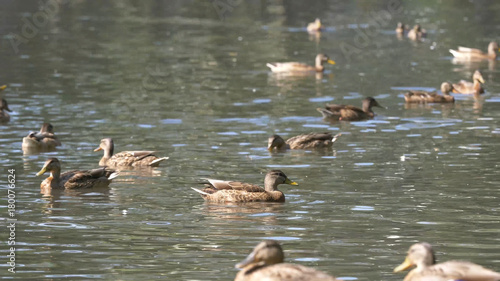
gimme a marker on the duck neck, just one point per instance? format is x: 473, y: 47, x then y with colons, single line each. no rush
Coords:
x: 55, y: 174
x: 478, y: 88
x: 108, y: 151
x: 319, y: 65
x: 270, y: 184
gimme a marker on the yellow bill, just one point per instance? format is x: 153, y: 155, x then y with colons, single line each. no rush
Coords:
x: 42, y: 171
x: 404, y: 266
x: 288, y: 181
x: 98, y: 149
x: 330, y: 61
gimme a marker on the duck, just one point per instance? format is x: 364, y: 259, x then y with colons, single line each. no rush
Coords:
x: 292, y: 67
x: 417, y: 33
x: 401, y: 28
x: 314, y: 26
x: 4, y: 107
x: 266, y: 262
x: 76, y: 179
x: 349, y: 112
x: 421, y: 255
x: 127, y: 158
x: 3, y: 87
x: 239, y: 192
x: 311, y: 140
x: 475, y: 87
x: 432, y: 97
x: 43, y: 140
x: 464, y: 53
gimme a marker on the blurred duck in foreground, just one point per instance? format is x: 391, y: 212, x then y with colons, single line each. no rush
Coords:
x: 43, y: 140
x: 314, y: 26
x: 4, y: 107
x: 100, y: 177
x: 266, y: 263
x: 475, y: 87
x: 464, y: 53
x: 422, y: 257
x: 312, y: 140
x: 417, y: 33
x: 348, y: 112
x: 301, y: 67
x: 432, y: 97
x: 235, y: 191
x: 126, y: 158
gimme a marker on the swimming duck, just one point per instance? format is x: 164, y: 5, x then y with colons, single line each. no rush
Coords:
x: 4, y: 107
x: 74, y: 179
x: 422, y: 256
x: 417, y: 33
x: 475, y: 87
x: 349, y: 112
x: 43, y: 140
x: 401, y: 29
x: 127, y: 158
x: 432, y: 97
x: 465, y: 53
x: 314, y: 26
x: 266, y: 263
x: 311, y: 140
x: 301, y: 67
x: 235, y: 191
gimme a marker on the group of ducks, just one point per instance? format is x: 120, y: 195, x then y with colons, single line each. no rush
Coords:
x: 266, y: 260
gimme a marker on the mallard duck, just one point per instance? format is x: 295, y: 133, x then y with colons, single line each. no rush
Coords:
x: 301, y: 67
x: 74, y: 179
x: 4, y: 107
x: 127, y: 158
x: 475, y: 87
x: 314, y: 26
x: 401, y: 29
x: 465, y: 53
x: 422, y: 256
x: 311, y: 140
x: 266, y: 263
x: 417, y: 33
x: 235, y: 191
x: 43, y: 140
x: 349, y: 112
x: 432, y: 97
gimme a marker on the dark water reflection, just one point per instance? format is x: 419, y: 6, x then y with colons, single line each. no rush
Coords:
x: 172, y: 76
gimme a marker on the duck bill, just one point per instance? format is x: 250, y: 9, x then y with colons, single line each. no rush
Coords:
x: 98, y: 149
x: 42, y: 171
x: 455, y: 91
x: 404, y: 266
x: 248, y: 260
x: 330, y: 61
x: 3, y: 87
x: 288, y: 181
x: 481, y: 80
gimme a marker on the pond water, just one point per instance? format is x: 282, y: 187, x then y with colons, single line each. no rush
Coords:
x: 189, y: 79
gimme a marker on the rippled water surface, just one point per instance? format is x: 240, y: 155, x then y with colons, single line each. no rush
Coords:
x: 188, y: 79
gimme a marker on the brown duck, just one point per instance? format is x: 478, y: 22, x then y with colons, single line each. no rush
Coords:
x: 401, y: 28
x: 235, y: 191
x: 43, y: 140
x: 475, y: 87
x: 4, y: 107
x: 422, y: 257
x: 417, y: 33
x: 266, y: 263
x: 314, y: 26
x: 301, y: 67
x: 432, y: 97
x: 127, y: 158
x: 74, y: 179
x: 464, y: 53
x: 311, y: 140
x: 348, y: 112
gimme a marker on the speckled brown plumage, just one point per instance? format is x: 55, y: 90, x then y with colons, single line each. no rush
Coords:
x: 306, y: 141
x: 43, y: 140
x: 348, y: 112
x: 74, y: 179
x: 422, y: 256
x: 266, y: 263
x: 127, y: 158
x: 431, y: 97
x: 235, y: 191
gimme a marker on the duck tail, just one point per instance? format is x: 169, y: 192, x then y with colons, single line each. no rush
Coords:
x: 334, y: 139
x: 325, y: 112
x: 270, y: 65
x: 199, y: 191
x: 113, y: 175
x: 157, y: 161
x: 454, y: 53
